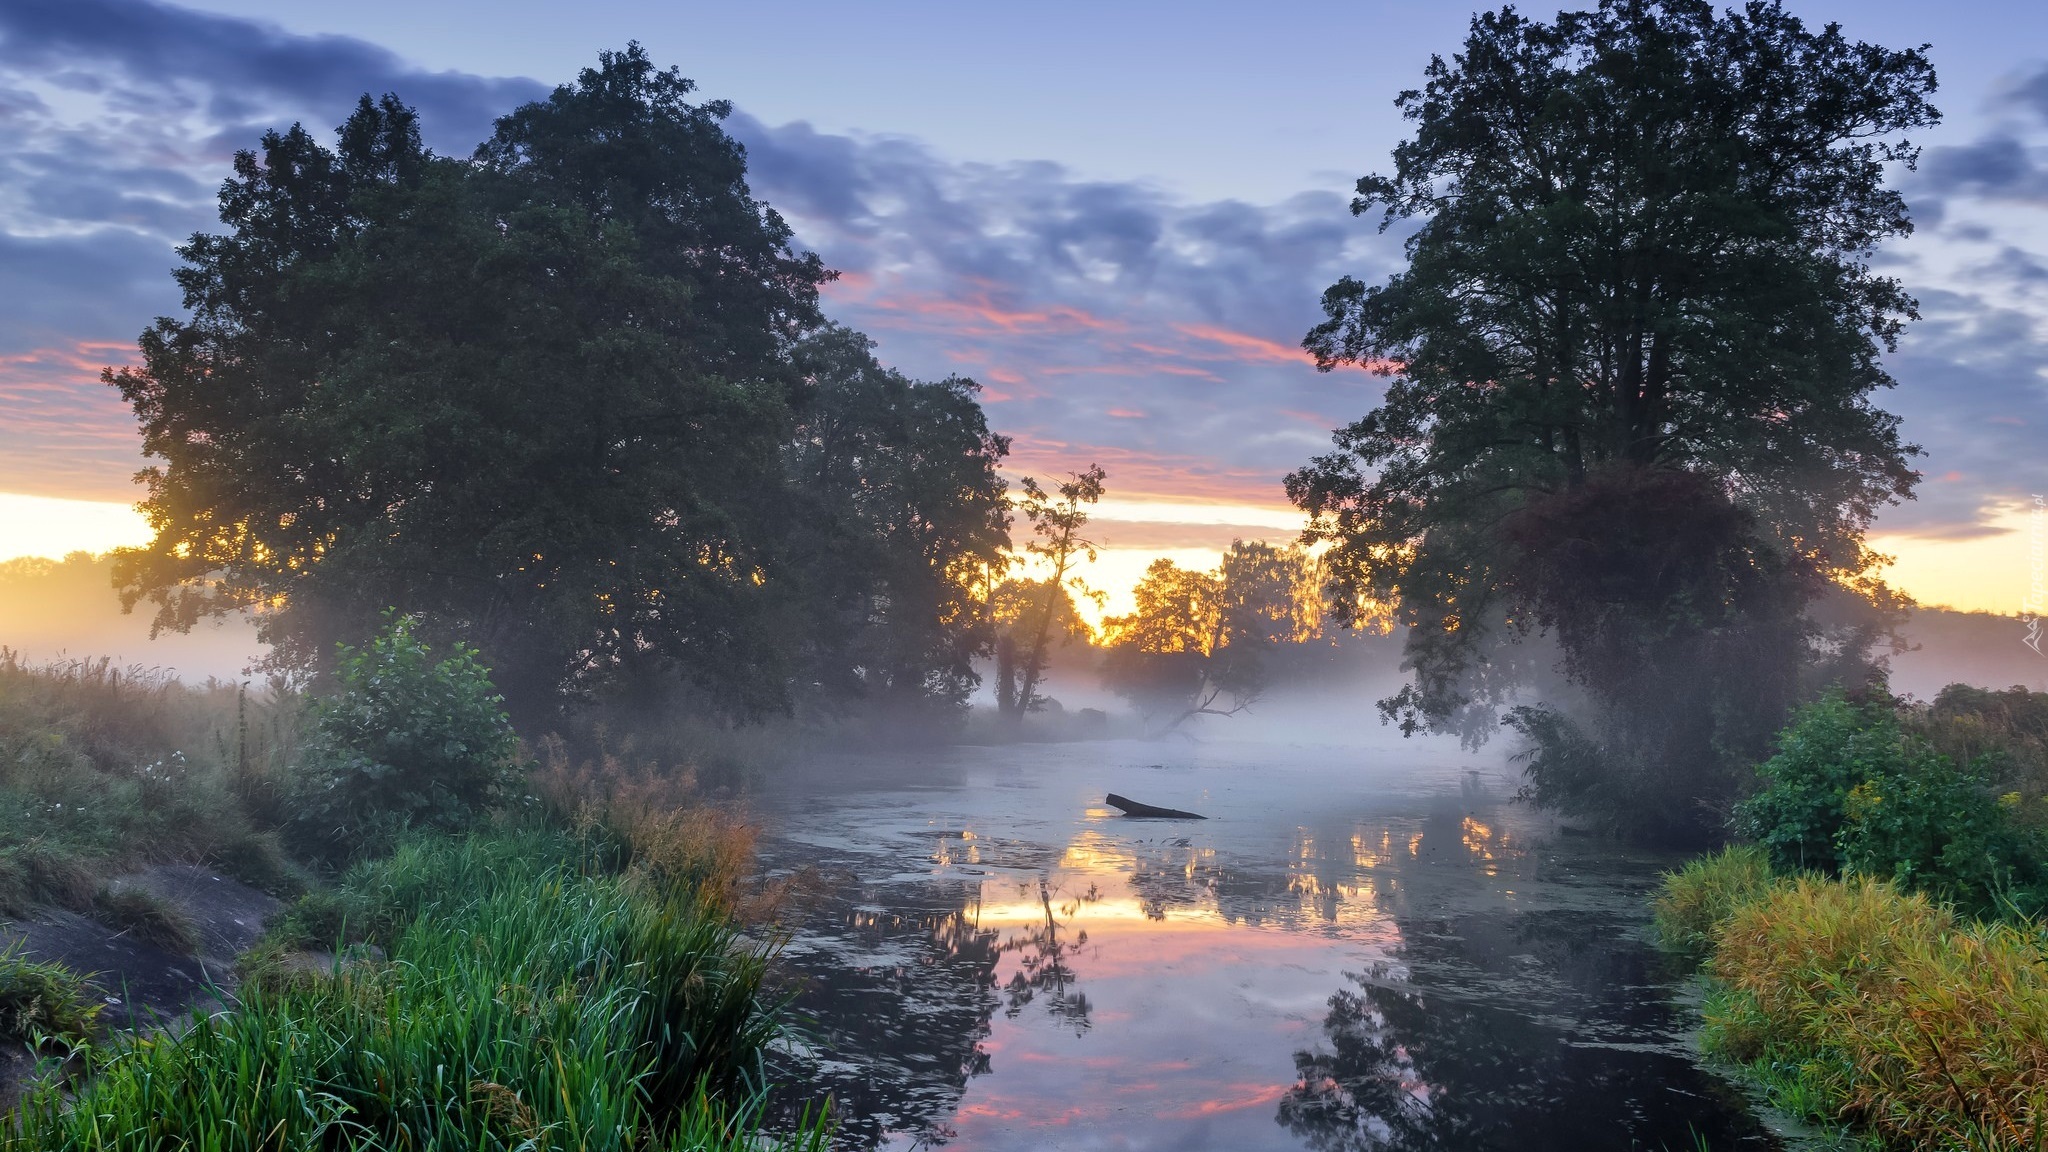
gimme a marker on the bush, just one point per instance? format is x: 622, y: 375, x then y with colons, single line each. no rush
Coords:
x: 1831, y: 747
x: 406, y: 741
x: 1699, y: 898
x: 1851, y: 791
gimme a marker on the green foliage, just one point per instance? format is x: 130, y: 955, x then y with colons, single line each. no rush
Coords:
x: 901, y: 517
x: 570, y: 399
x: 523, y: 1006
x: 1850, y: 791
x: 1831, y: 747
x: 2004, y: 730
x: 40, y: 1001
x: 1632, y: 354
x: 407, y: 740
x: 1695, y: 901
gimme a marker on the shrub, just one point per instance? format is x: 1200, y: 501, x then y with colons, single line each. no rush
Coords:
x: 44, y: 1000
x: 1851, y: 791
x: 406, y: 741
x: 1699, y: 898
x: 1832, y: 746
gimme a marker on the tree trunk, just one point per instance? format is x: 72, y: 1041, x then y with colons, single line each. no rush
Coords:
x: 1006, y: 675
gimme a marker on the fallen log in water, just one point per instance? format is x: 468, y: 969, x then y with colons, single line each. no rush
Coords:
x: 1131, y: 807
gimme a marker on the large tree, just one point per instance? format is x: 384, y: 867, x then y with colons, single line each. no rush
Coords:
x: 550, y: 397
x: 1631, y: 360
x: 901, y: 515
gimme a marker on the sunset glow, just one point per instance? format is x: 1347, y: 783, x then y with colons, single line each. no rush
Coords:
x: 53, y: 527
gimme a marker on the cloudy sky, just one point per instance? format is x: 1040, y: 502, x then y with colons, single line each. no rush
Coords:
x: 1117, y: 217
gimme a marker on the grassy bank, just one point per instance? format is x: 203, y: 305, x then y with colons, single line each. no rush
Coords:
x: 1854, y: 1003
x: 1876, y: 956
x: 488, y: 949
x: 526, y: 997
x: 104, y: 769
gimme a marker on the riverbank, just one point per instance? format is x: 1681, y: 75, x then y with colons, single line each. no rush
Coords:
x: 509, y: 954
x: 1851, y: 1003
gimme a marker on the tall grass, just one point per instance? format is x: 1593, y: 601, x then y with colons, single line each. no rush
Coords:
x: 523, y: 1005
x: 1698, y: 899
x: 105, y: 768
x: 1858, y: 1003
x: 44, y: 1001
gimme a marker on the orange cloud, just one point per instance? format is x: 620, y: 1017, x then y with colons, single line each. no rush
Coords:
x: 1125, y: 414
x: 66, y: 434
x: 1135, y: 472
x: 1245, y: 346
x: 979, y: 315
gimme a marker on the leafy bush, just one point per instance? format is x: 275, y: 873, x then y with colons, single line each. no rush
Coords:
x: 406, y: 741
x: 1851, y: 791
x: 1831, y: 747
x: 1699, y: 898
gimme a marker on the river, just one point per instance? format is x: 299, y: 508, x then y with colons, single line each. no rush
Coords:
x: 1362, y: 948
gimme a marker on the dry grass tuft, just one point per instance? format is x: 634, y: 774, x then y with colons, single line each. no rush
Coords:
x: 658, y: 830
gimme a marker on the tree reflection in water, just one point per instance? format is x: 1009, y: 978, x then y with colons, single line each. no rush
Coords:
x: 1042, y: 968
x: 893, y: 1006
x: 1467, y: 1065
x: 896, y: 1016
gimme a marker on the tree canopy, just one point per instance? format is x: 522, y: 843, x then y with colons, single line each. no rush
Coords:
x: 1632, y: 353
x: 570, y: 399
x: 1202, y: 643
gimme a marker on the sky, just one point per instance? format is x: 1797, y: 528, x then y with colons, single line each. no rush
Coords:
x: 1117, y: 218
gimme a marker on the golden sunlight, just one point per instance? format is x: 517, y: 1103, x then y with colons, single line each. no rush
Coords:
x: 1980, y: 574
x: 54, y: 527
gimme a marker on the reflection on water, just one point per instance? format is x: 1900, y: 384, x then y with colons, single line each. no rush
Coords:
x: 1346, y: 957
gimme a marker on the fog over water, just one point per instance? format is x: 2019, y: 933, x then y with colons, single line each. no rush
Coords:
x: 1367, y: 945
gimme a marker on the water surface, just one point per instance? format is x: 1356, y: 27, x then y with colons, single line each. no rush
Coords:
x: 1361, y: 949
